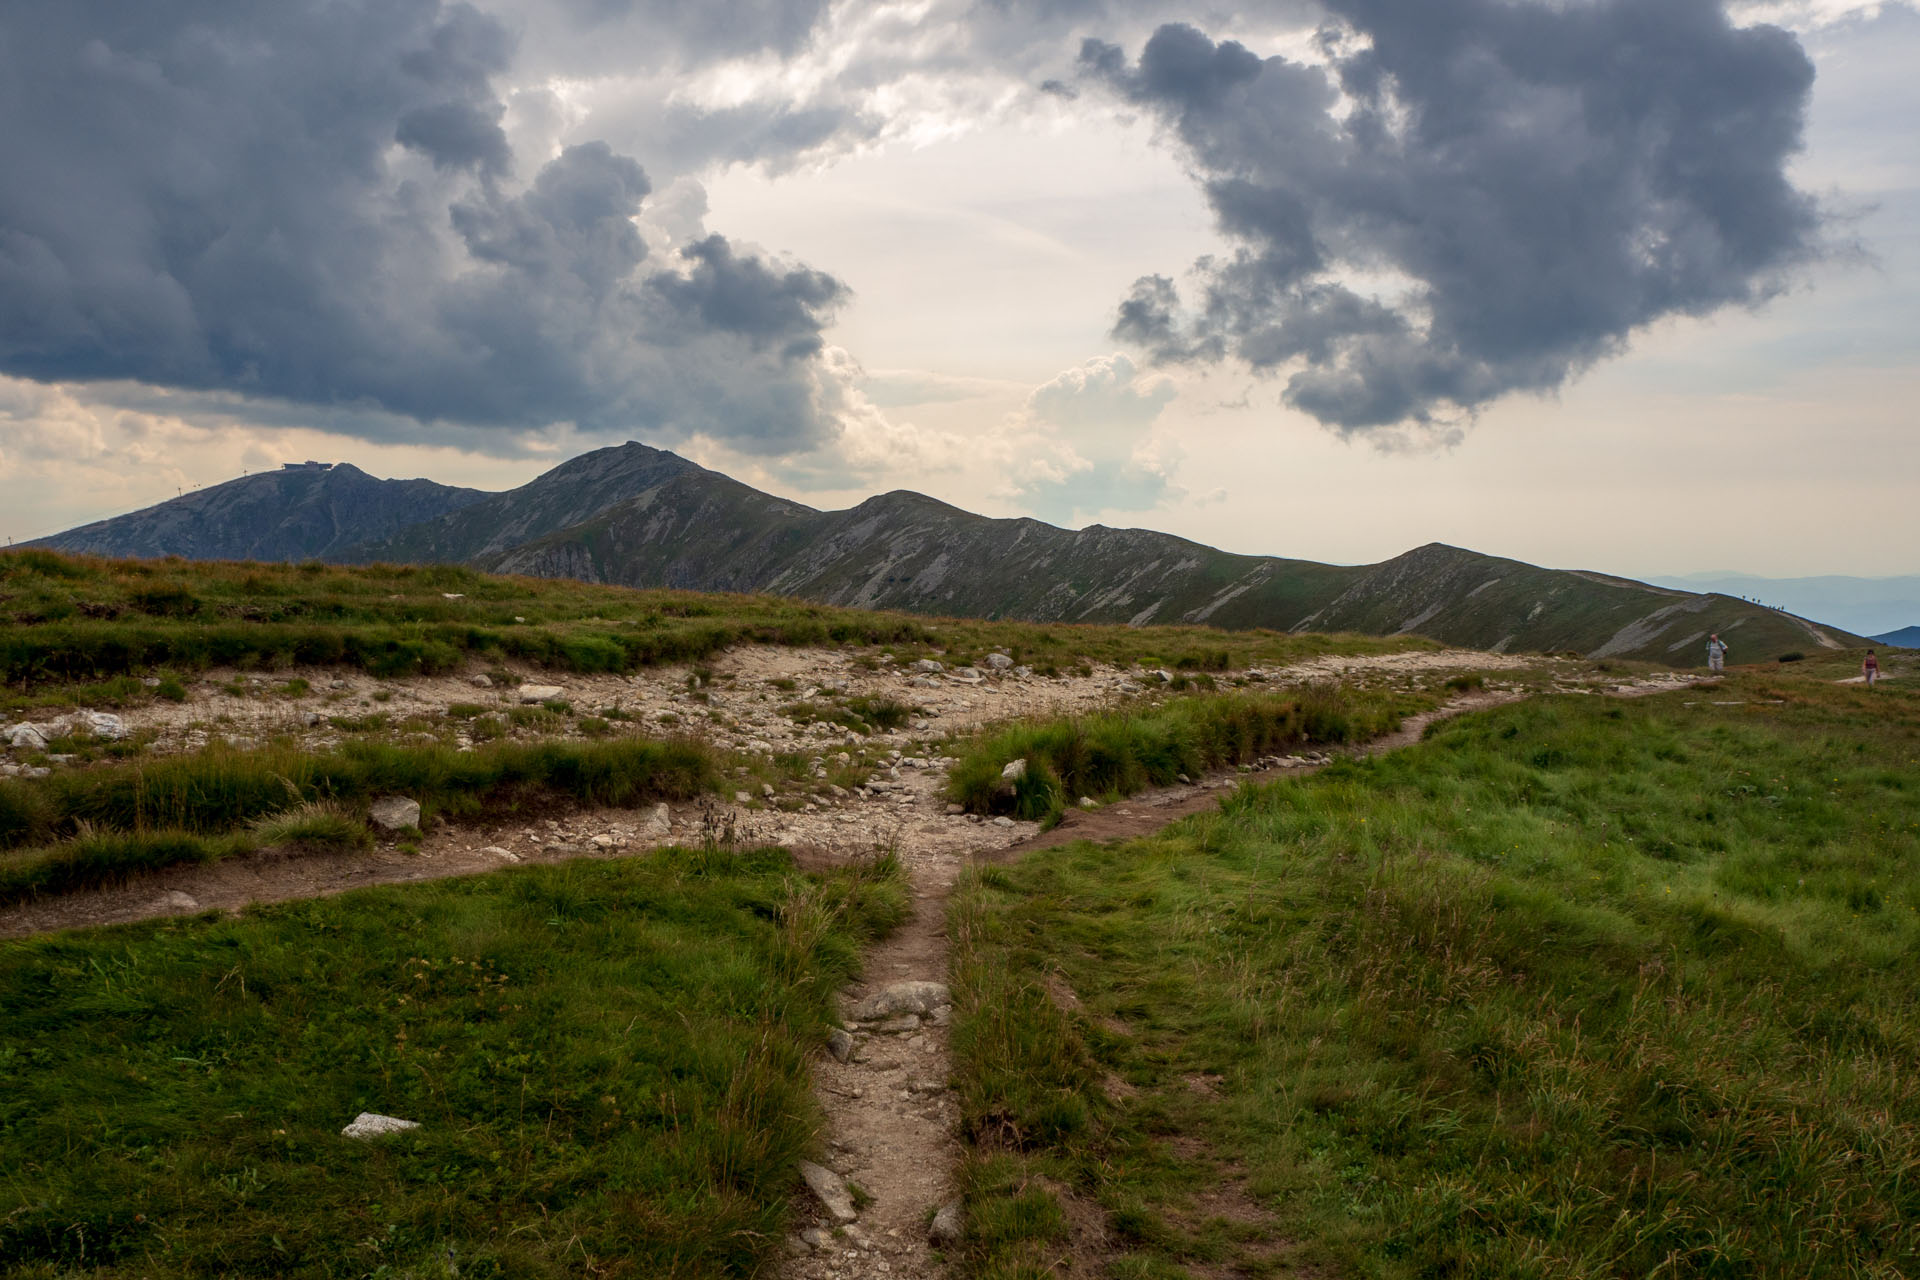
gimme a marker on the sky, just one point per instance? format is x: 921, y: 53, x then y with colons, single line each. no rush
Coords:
x: 1618, y: 284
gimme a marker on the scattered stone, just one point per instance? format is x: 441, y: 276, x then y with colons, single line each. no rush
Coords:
x: 1003, y: 821
x: 605, y: 841
x: 453, y: 595
x: 766, y: 790
x: 999, y: 662
x: 911, y: 996
x: 150, y: 682
x: 742, y: 797
x: 840, y: 1045
x: 313, y: 719
x: 534, y: 694
x: 1185, y: 780
x: 948, y: 1225
x: 1015, y: 770
x: 830, y: 1189
x: 480, y: 681
x: 906, y: 1022
x: 818, y: 1238
x: 369, y: 1125
x: 27, y: 737
x: 394, y: 813
x: 1088, y: 802
x: 174, y: 900
x: 927, y: 667
x: 659, y: 822
x: 505, y: 855
x: 941, y: 1016
x: 955, y: 810
x: 564, y: 850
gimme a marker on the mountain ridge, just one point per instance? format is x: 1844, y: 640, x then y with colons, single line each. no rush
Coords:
x: 301, y: 511
x: 632, y: 515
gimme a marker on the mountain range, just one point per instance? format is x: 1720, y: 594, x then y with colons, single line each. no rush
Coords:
x: 643, y: 517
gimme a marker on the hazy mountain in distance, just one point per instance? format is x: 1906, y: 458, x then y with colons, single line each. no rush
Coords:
x: 1865, y: 606
x: 1904, y: 638
x: 303, y: 511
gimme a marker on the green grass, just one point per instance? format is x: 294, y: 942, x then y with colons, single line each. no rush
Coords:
x: 1575, y: 988
x: 1117, y: 753
x: 68, y: 621
x: 83, y: 827
x: 608, y: 1061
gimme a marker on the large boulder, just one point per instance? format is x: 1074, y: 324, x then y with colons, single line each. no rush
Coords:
x: 394, y: 813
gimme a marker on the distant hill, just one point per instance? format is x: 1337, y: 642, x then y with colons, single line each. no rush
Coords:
x: 642, y: 517
x: 1904, y: 638
x: 301, y: 512
x: 1861, y: 605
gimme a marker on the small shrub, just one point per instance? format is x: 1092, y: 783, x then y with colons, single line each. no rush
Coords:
x: 1795, y: 656
x: 1466, y: 683
x: 317, y: 824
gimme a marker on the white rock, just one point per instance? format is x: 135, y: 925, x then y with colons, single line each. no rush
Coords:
x: 174, y: 900
x: 660, y: 822
x: 1088, y: 802
x: 818, y: 1238
x: 531, y: 694
x: 840, y: 1045
x: 453, y: 595
x: 1015, y: 770
x: 831, y: 1191
x: 999, y: 662
x: 369, y: 1125
x: 927, y: 667
x: 947, y: 1224
x: 98, y: 723
x: 1003, y: 822
x: 394, y: 813
x: 480, y: 681
x: 27, y: 737
x: 901, y: 997
x: 505, y: 855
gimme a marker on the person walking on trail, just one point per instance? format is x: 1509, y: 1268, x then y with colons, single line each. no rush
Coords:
x: 1716, y: 654
x: 1870, y: 668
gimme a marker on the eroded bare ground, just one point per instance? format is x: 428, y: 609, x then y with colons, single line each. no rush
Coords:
x: 890, y: 1119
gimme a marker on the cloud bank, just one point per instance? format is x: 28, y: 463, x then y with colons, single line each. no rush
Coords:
x: 316, y: 202
x: 1470, y: 199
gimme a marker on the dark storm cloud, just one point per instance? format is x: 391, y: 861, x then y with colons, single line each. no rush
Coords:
x: 314, y: 201
x: 1525, y: 184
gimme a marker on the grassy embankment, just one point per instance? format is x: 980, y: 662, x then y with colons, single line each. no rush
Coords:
x: 1575, y: 988
x: 1117, y: 753
x: 77, y: 630
x: 608, y: 1062
x: 85, y: 827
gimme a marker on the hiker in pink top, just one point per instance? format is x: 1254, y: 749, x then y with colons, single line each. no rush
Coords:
x: 1870, y: 668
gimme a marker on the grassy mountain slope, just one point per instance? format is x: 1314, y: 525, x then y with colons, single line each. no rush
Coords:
x: 642, y: 517
x: 906, y: 551
x: 572, y: 492
x: 701, y: 530
x: 1487, y: 602
x: 297, y: 513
